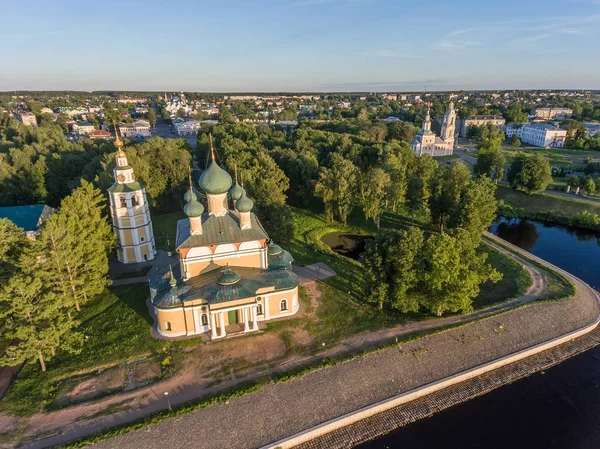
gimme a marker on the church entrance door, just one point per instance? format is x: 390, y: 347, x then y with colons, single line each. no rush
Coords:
x: 232, y: 316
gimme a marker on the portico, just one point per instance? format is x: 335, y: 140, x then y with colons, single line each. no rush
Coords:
x: 218, y: 318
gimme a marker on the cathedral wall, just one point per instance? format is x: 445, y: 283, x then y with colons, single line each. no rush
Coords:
x: 273, y: 304
x: 175, y: 318
x: 248, y: 260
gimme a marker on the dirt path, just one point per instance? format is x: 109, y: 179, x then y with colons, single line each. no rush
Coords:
x: 52, y: 428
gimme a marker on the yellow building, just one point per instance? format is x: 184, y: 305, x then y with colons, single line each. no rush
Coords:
x: 426, y: 142
x: 130, y: 213
x: 227, y: 276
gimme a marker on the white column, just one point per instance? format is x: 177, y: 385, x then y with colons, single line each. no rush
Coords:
x: 222, y: 323
x: 253, y: 314
x: 246, y: 327
x: 213, y: 327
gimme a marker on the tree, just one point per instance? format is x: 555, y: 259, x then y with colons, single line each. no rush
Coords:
x: 396, y: 162
x: 515, y: 114
x: 33, y: 321
x: 490, y: 138
x: 477, y: 208
x: 532, y: 173
x: 338, y: 186
x: 391, y: 262
x: 490, y: 163
x: 377, y: 182
x: 180, y: 112
x: 453, y: 273
x: 446, y: 187
x: 12, y: 244
x: 418, y: 182
x: 74, y: 243
x: 402, y: 131
x: 515, y: 141
x: 152, y: 117
x: 589, y: 185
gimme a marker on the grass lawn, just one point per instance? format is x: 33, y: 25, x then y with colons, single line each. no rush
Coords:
x: 448, y: 157
x: 165, y: 229
x: 556, y: 157
x: 543, y: 202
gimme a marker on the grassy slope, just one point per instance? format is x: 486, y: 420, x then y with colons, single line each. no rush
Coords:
x: 542, y: 202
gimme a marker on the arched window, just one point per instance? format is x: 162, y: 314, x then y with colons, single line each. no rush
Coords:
x: 259, y: 309
x: 204, y: 320
x: 167, y: 326
x: 123, y: 201
x: 283, y: 305
x: 134, y: 201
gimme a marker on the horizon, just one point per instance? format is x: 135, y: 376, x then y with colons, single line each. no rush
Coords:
x: 301, y: 46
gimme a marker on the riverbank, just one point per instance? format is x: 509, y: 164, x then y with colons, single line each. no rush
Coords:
x: 330, y: 392
x: 551, y: 208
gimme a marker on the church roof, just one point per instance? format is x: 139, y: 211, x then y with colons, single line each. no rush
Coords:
x: 218, y: 230
x: 124, y: 188
x: 206, y: 287
x: 27, y: 217
x: 214, y: 179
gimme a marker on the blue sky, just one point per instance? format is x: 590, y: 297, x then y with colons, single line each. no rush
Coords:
x: 299, y: 45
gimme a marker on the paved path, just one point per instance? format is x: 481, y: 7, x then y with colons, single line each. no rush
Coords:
x: 327, y: 393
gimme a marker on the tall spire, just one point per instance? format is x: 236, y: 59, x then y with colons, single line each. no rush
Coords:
x: 118, y: 142
x: 427, y: 121
x: 212, y: 150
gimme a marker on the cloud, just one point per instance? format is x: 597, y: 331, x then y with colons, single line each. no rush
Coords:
x: 450, y: 45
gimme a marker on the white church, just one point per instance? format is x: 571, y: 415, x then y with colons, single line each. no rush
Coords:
x: 426, y: 142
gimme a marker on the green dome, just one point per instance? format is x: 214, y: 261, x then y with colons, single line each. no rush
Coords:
x: 236, y: 192
x: 244, y: 204
x: 274, y: 249
x: 193, y: 208
x: 228, y: 277
x: 191, y: 192
x: 215, y: 180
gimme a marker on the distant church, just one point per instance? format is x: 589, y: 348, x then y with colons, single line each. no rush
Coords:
x: 130, y: 213
x: 426, y: 142
x: 227, y: 275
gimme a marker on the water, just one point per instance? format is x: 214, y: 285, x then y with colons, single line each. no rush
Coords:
x: 557, y: 409
x: 348, y: 245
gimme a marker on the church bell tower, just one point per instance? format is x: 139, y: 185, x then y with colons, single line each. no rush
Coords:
x: 130, y: 213
x: 449, y: 125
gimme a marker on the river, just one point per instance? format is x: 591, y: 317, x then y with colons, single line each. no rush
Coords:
x: 558, y: 408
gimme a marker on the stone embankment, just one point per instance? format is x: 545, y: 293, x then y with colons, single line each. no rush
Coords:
x: 332, y: 396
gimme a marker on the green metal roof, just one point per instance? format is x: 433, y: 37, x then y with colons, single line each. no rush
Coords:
x: 218, y: 230
x: 124, y: 188
x: 27, y: 217
x: 214, y: 179
x: 280, y: 261
x: 236, y: 192
x: 244, y: 204
x: 191, y: 192
x: 228, y: 277
x: 193, y: 208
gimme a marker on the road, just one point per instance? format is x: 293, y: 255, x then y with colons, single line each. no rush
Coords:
x: 163, y: 129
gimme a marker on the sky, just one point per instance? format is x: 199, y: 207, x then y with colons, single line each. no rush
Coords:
x: 299, y: 45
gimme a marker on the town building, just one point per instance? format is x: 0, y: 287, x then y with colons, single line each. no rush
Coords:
x: 29, y: 218
x: 481, y: 120
x: 552, y: 113
x: 130, y: 213
x: 426, y: 142
x: 72, y: 112
x: 27, y: 118
x: 139, y: 129
x: 227, y: 276
x: 538, y: 134
x: 139, y: 100
x: 591, y: 128
x: 82, y: 128
x: 98, y: 134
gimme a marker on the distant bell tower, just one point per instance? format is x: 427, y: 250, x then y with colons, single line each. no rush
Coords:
x: 449, y: 125
x: 129, y: 212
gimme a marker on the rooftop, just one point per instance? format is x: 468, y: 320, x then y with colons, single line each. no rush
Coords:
x: 27, y: 217
x: 219, y: 230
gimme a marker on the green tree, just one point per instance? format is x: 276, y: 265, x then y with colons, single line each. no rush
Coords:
x: 490, y: 138
x: 418, y: 189
x: 397, y: 161
x: 12, y: 244
x: 377, y: 182
x: 532, y: 173
x: 589, y: 185
x: 515, y: 114
x: 338, y: 186
x: 515, y: 141
x: 477, y: 208
x: 152, y: 117
x: 446, y: 187
x: 392, y: 262
x: 453, y: 273
x: 490, y: 162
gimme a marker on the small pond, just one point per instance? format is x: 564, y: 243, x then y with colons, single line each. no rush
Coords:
x: 348, y: 245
